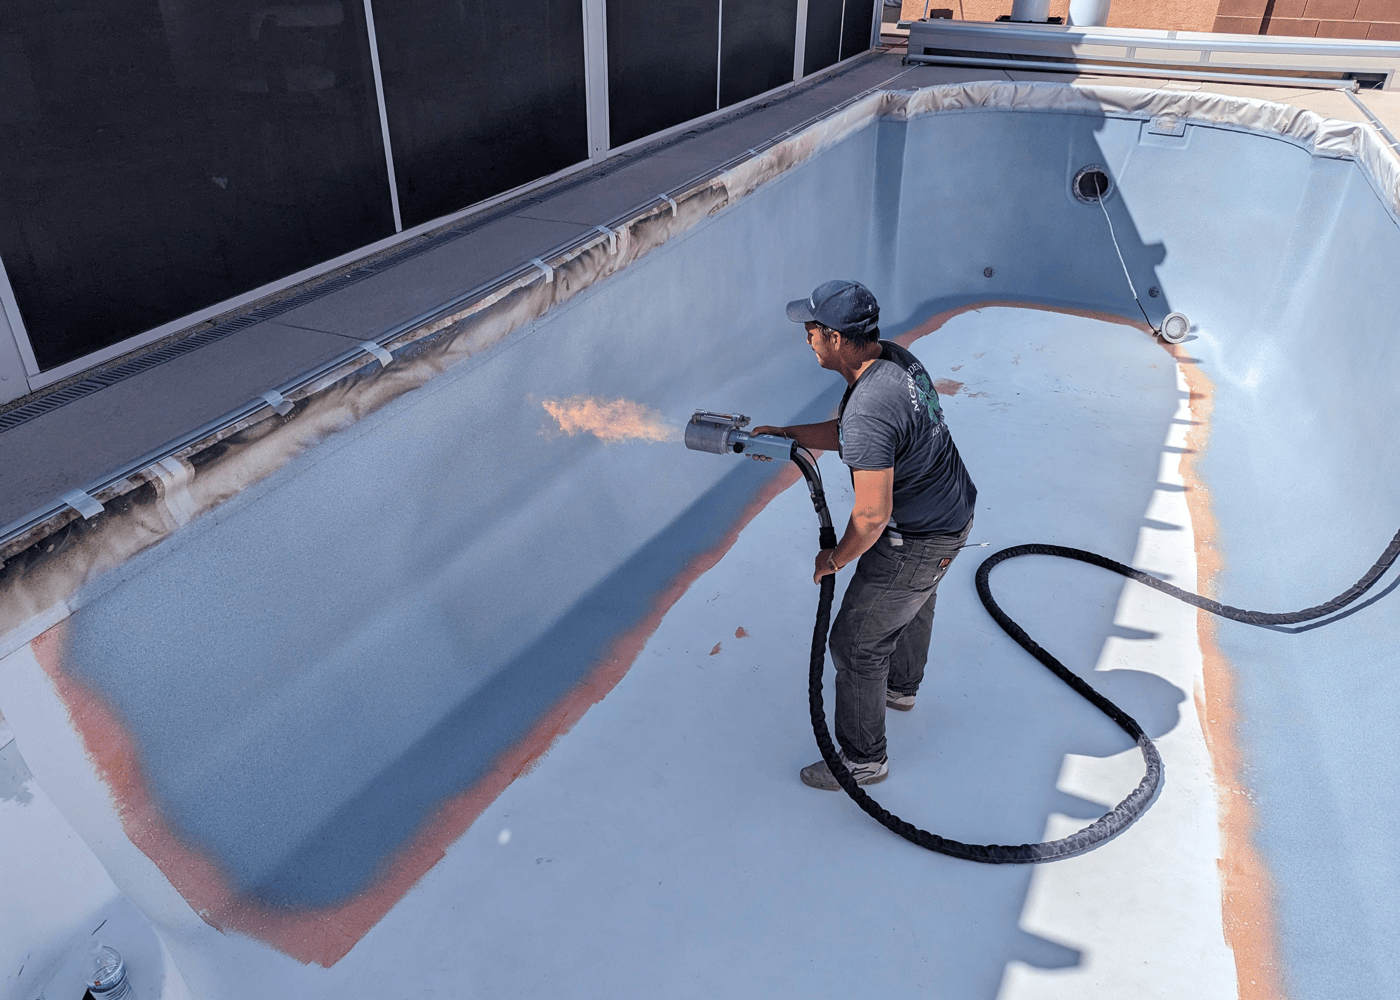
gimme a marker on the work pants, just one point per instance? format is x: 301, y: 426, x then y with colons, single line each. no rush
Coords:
x: 881, y: 635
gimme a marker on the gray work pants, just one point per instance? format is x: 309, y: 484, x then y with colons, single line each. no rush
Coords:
x: 881, y: 635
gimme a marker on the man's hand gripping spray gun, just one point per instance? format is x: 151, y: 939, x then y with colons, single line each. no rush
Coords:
x: 723, y: 433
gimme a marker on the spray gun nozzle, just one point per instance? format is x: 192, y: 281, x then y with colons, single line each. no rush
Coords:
x: 714, y: 432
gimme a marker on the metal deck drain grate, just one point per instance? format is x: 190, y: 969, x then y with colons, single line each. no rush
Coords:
x: 91, y: 384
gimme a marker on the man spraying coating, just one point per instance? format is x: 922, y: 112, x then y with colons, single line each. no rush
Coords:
x: 912, y: 514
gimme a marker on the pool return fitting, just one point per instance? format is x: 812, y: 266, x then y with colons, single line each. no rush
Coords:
x: 722, y: 433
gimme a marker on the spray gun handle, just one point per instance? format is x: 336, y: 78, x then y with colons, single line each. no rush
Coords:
x: 767, y: 445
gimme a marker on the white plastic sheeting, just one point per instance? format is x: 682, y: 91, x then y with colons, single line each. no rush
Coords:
x: 1320, y: 136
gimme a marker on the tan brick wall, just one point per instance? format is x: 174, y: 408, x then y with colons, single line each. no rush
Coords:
x: 1378, y: 20
x: 1177, y: 15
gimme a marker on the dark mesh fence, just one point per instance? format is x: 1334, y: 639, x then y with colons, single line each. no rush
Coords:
x: 162, y: 156
x: 168, y: 156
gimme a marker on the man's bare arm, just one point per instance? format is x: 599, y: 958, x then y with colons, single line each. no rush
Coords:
x: 871, y: 512
x: 815, y: 437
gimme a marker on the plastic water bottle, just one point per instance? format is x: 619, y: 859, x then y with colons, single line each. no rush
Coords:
x: 106, y: 976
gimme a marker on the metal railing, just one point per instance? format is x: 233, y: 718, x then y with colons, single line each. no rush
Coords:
x: 1308, y: 63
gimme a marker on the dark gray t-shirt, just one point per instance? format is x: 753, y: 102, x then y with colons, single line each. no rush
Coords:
x: 891, y: 418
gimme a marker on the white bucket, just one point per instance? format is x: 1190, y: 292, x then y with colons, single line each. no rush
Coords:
x: 1088, y: 13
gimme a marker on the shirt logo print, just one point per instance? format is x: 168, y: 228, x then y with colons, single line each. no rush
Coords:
x: 925, y: 396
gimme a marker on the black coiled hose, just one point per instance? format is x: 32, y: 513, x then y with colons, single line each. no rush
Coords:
x: 1126, y: 812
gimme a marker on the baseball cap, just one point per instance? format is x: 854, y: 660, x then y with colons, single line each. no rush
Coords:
x: 842, y: 305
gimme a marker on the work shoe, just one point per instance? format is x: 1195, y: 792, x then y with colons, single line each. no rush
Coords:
x: 818, y: 775
x: 895, y: 700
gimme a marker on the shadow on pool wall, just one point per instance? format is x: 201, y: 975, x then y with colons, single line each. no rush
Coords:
x: 383, y: 620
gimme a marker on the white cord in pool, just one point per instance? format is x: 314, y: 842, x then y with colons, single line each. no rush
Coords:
x: 1124, y: 264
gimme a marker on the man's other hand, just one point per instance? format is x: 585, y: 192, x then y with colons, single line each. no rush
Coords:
x: 826, y: 565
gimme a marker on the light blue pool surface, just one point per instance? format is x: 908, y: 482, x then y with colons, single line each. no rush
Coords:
x: 311, y: 671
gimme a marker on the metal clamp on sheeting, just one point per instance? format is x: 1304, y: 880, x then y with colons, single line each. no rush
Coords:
x: 84, y: 503
x: 278, y: 402
x: 670, y: 201
x: 611, y: 235
x: 385, y: 358
x: 548, y: 271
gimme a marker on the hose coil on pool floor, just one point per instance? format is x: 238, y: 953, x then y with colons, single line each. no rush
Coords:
x: 1127, y: 811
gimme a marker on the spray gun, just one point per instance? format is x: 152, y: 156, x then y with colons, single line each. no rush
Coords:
x: 723, y: 433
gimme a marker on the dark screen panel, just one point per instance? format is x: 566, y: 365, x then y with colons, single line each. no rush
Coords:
x: 663, y: 59
x: 756, y: 46
x: 482, y: 97
x: 823, y: 34
x: 859, y: 22
x: 164, y: 155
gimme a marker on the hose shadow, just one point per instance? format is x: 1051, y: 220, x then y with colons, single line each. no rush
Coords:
x: 1295, y: 629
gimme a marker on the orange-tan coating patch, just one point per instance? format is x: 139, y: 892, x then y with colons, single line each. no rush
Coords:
x: 1246, y: 888
x: 937, y: 321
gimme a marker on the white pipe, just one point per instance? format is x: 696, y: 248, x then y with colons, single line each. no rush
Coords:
x: 1032, y: 11
x: 1108, y: 69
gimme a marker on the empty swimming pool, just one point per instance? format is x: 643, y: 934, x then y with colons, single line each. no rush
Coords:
x: 466, y: 675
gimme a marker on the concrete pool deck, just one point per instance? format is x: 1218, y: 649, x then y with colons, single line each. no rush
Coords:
x: 195, y: 676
